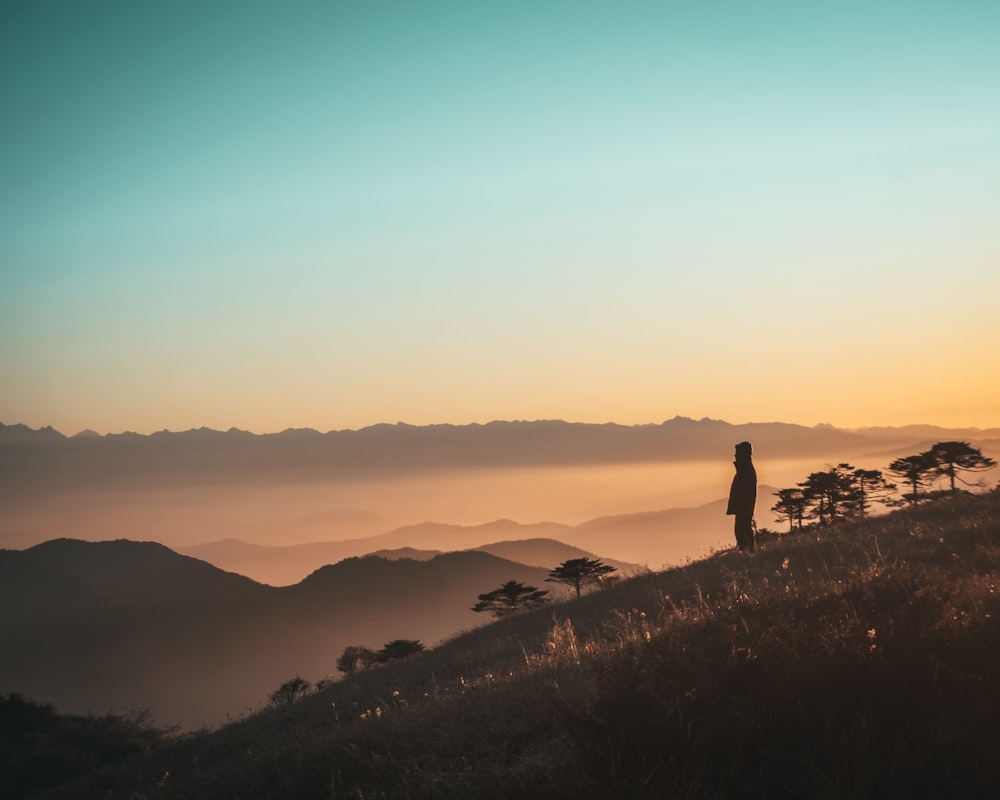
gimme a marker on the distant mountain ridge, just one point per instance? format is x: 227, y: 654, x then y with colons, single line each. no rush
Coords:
x: 648, y: 539
x: 285, y: 565
x: 29, y: 456
x: 19, y: 431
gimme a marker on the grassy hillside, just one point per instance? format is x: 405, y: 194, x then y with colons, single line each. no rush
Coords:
x: 852, y: 661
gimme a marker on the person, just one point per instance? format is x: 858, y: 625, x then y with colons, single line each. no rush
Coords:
x: 743, y: 497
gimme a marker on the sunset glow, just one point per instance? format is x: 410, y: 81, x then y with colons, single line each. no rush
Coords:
x: 332, y: 215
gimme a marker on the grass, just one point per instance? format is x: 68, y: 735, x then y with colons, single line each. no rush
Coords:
x: 853, y: 661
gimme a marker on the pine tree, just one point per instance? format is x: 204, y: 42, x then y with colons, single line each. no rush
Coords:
x: 917, y: 471
x: 580, y: 572
x: 951, y: 458
x: 870, y: 486
x: 513, y: 596
x: 791, y: 506
x: 829, y: 494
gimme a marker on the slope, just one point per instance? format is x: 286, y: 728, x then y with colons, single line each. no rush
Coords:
x: 788, y: 674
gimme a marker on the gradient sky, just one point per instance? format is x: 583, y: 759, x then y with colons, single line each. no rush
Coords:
x: 281, y: 214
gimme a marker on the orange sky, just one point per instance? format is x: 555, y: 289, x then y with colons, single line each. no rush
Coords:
x: 471, y: 215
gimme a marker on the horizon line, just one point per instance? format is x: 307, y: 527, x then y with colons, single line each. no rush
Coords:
x: 90, y: 433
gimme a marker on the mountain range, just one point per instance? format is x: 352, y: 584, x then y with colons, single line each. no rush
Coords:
x: 278, y: 565
x: 650, y: 539
x: 302, y: 486
x: 30, y: 457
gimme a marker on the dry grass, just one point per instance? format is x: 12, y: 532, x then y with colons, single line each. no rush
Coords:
x: 853, y: 661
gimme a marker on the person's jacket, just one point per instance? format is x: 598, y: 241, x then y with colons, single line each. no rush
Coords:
x: 743, y: 492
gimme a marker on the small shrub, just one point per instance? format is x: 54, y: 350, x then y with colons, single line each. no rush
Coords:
x: 290, y: 691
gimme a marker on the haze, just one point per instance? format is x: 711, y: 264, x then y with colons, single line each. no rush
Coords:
x: 194, y: 487
x: 293, y: 514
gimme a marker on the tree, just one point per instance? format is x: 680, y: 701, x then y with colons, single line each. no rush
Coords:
x: 915, y: 470
x: 949, y: 458
x: 399, y: 648
x: 512, y: 597
x: 870, y: 486
x: 830, y: 494
x: 356, y: 658
x: 290, y: 691
x: 580, y: 572
x: 791, y: 506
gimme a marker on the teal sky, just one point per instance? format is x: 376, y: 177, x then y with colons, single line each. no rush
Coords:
x: 275, y: 215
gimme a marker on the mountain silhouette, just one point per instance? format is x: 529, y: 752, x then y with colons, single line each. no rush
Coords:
x: 284, y: 565
x: 90, y: 626
x: 30, y: 459
x: 548, y: 553
x: 141, y: 572
x: 652, y: 538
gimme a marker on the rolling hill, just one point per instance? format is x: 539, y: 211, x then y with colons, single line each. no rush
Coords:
x: 277, y: 565
x: 91, y: 626
x: 650, y: 539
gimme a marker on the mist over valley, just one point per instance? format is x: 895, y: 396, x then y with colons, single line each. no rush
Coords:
x: 192, y: 573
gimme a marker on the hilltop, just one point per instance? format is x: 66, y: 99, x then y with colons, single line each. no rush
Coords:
x: 855, y: 659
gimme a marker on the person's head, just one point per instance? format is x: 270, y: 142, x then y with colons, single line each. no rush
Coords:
x: 744, y: 450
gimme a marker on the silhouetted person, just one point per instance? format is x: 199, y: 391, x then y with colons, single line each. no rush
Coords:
x: 743, y: 497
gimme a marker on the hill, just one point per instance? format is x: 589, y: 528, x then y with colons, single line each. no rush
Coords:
x: 90, y: 626
x: 545, y: 553
x: 281, y: 565
x: 277, y: 565
x: 853, y: 660
x: 651, y: 539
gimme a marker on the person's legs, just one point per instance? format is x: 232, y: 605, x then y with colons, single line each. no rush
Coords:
x: 744, y: 533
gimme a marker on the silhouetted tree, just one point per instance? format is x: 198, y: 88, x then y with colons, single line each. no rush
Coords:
x: 950, y: 458
x: 580, y: 572
x: 399, y: 648
x: 513, y: 596
x: 290, y: 691
x: 829, y: 494
x: 356, y: 658
x: 791, y: 506
x: 916, y: 470
x: 869, y: 486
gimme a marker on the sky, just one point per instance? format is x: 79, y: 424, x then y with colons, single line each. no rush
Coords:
x: 333, y: 214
